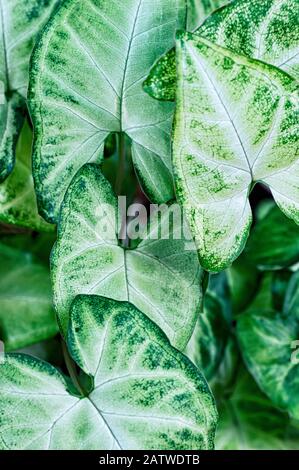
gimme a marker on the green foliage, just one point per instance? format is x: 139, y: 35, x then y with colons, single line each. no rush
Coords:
x: 26, y: 311
x: 267, y: 340
x: 236, y: 124
x: 74, y: 110
x: 17, y: 196
x: 206, y: 127
x: 274, y: 242
x: 266, y: 30
x: 160, y: 277
x: 20, y: 21
x: 145, y: 393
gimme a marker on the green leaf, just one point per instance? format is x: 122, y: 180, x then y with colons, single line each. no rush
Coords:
x: 160, y: 277
x: 11, y: 121
x: 20, y: 21
x: 236, y: 124
x: 280, y: 282
x: 198, y: 10
x: 86, y: 82
x: 38, y: 244
x: 17, y: 196
x: 26, y: 311
x: 207, y: 344
x: 263, y: 298
x: 268, y: 342
x: 243, y: 278
x: 248, y: 421
x: 273, y: 242
x: 146, y: 394
x: 266, y: 30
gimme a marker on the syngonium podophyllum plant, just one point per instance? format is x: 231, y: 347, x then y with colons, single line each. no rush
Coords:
x: 160, y: 101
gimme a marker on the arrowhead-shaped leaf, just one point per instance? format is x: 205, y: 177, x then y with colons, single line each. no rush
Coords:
x: 20, y: 21
x: 269, y: 341
x: 86, y: 82
x: 160, y: 277
x: 236, y: 125
x: 266, y: 30
x: 17, y: 196
x: 26, y: 311
x: 146, y: 395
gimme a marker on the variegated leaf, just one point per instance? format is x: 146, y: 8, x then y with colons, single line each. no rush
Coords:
x: 20, y: 21
x: 236, y: 124
x: 146, y: 395
x: 267, y: 30
x: 86, y: 82
x: 161, y: 277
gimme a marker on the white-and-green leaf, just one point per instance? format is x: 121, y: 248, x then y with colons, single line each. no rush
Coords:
x: 86, y: 82
x: 26, y: 311
x: 236, y: 124
x: 18, y: 204
x: 265, y: 30
x: 161, y: 277
x: 20, y: 22
x: 269, y: 344
x: 146, y: 395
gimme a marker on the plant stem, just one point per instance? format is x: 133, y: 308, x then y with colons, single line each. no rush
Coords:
x: 71, y: 367
x: 121, y: 163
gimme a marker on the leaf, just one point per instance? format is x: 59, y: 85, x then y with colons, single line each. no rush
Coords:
x: 146, y: 394
x: 38, y: 244
x: 11, y: 120
x: 267, y: 341
x: 198, y: 10
x: 17, y: 196
x: 243, y: 278
x: 273, y: 242
x: 160, y: 277
x: 236, y: 124
x: 86, y: 83
x: 207, y: 344
x: 266, y: 30
x: 26, y: 311
x: 248, y: 421
x: 20, y: 21
x: 279, y: 286
x: 263, y: 299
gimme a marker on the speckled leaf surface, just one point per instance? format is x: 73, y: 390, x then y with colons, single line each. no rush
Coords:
x: 267, y: 341
x: 20, y: 21
x: 160, y: 277
x: 18, y: 204
x: 249, y: 421
x: 236, y: 124
x: 26, y: 311
x: 266, y: 30
x: 86, y: 82
x: 11, y: 120
x: 146, y: 394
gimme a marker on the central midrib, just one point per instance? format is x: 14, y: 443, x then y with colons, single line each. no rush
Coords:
x: 126, y: 64
x: 7, y: 87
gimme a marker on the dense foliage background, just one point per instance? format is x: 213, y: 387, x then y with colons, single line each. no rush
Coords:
x: 246, y: 340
